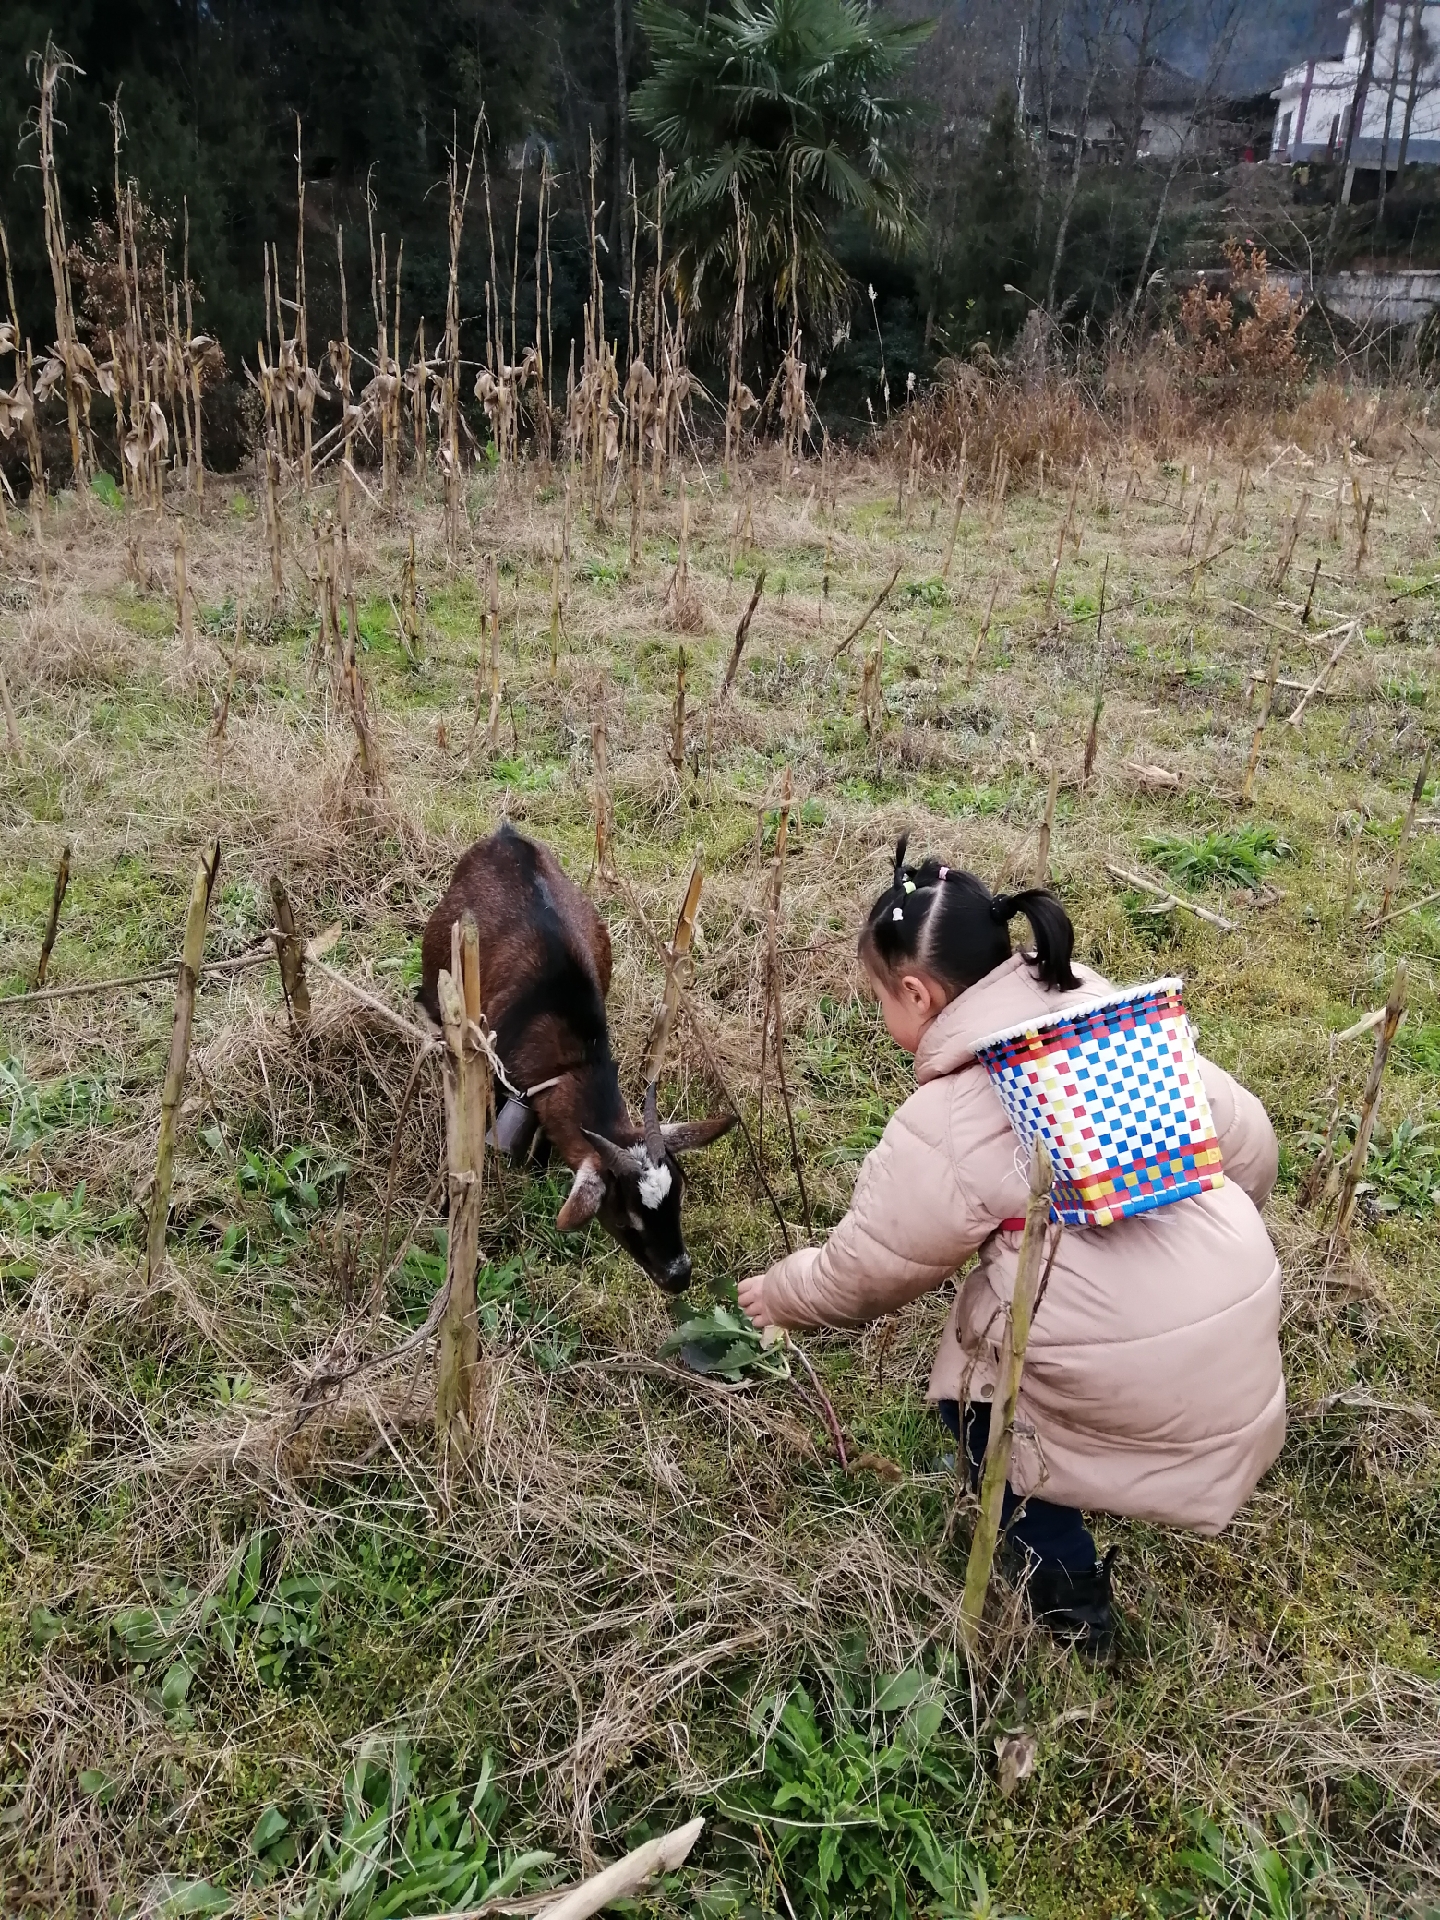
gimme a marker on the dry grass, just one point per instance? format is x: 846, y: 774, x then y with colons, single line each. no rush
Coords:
x: 633, y: 1557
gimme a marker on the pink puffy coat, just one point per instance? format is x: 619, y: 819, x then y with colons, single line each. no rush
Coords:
x: 1152, y: 1385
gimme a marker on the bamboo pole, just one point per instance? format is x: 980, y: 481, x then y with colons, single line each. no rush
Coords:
x: 1165, y: 899
x: 1060, y: 548
x: 984, y: 634
x: 289, y: 953
x: 57, y: 900
x: 1247, y: 785
x: 201, y: 889
x: 675, y: 955
x: 1369, y: 1107
x: 874, y: 607
x: 1047, y: 828
x: 1324, y: 676
x: 1013, y: 1344
x: 1397, y: 864
x: 626, y: 1876
x: 12, y: 730
x: 467, y: 1098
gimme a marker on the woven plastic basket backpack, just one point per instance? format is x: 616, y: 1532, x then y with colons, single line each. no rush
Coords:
x: 1114, y: 1089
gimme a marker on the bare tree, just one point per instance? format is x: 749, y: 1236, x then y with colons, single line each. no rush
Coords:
x: 1147, y: 25
x: 1222, y: 24
x: 622, y: 145
x: 1422, y: 47
x: 1097, y: 35
x: 1369, y: 16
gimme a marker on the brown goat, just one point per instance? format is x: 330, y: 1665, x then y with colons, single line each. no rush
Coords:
x: 544, y: 976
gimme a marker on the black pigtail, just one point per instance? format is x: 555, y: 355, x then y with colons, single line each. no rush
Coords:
x: 900, y: 848
x: 1054, y: 934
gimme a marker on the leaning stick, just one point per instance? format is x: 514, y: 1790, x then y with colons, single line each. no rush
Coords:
x: 114, y: 985
x: 984, y: 634
x: 873, y: 608
x: 12, y: 731
x: 467, y: 1097
x: 200, y: 891
x: 1166, y: 900
x: 1324, y: 675
x: 1247, y: 785
x: 1399, y: 913
x: 57, y: 900
x: 1013, y: 1343
x: 290, y: 953
x: 626, y: 1876
x: 675, y: 954
x: 954, y: 529
x: 1047, y: 828
x: 742, y: 634
x: 1060, y: 549
x: 1397, y: 864
x: 1369, y: 1106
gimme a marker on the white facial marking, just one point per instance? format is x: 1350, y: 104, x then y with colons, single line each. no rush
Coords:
x: 654, y: 1185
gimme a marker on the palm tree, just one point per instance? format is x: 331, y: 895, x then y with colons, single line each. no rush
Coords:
x: 793, y: 102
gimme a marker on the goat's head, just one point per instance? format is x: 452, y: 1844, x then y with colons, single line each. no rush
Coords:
x: 633, y: 1188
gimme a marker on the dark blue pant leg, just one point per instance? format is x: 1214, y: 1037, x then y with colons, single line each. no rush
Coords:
x: 1054, y: 1534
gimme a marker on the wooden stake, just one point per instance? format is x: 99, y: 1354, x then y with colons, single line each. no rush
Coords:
x: 984, y: 634
x: 626, y: 1876
x: 677, y: 724
x: 773, y: 992
x: 874, y: 606
x: 1324, y: 677
x: 954, y: 524
x: 1092, y: 742
x: 1397, y: 864
x: 1310, y: 596
x: 1165, y: 900
x: 1047, y: 828
x: 174, y: 1087
x: 1013, y: 1343
x: 1060, y: 548
x: 1247, y: 785
x: 1363, y: 547
x: 12, y: 731
x: 675, y: 954
x: 289, y: 953
x: 467, y: 1099
x: 1369, y: 1106
x: 184, y: 624
x: 742, y: 634
x: 601, y: 865
x: 57, y: 900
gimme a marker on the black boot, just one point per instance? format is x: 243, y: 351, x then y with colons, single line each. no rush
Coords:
x: 1074, y: 1606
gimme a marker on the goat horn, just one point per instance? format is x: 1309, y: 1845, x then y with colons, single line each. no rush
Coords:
x: 654, y: 1138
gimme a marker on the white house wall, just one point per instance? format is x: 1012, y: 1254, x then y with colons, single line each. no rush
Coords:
x: 1313, y: 101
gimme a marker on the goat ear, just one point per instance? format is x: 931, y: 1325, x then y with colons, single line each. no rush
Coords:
x: 582, y: 1203
x: 617, y: 1160
x: 685, y: 1135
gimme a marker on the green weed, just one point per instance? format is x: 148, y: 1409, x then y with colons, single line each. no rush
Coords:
x: 723, y: 1341
x: 1242, y: 1875
x: 926, y: 593
x: 294, y: 1185
x: 104, y: 488
x: 395, y: 1852
x: 850, y: 1807
x: 32, y: 1110
x: 1239, y: 859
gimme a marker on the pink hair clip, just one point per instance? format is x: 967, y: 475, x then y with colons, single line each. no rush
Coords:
x: 944, y: 873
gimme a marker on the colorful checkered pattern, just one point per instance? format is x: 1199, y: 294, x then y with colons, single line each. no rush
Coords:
x: 1115, y: 1091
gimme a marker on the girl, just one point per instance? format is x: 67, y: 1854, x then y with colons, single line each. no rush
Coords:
x: 1152, y: 1383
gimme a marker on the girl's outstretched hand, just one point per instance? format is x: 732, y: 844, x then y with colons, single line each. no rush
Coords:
x: 752, y: 1300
